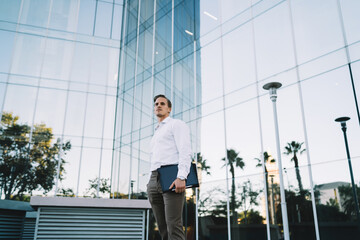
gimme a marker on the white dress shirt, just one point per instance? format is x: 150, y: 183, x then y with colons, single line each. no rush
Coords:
x: 171, y: 145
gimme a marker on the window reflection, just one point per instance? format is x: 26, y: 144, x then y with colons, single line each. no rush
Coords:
x: 35, y: 13
x: 103, y: 19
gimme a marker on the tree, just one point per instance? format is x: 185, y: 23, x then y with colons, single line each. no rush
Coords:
x: 294, y: 148
x: 233, y: 160
x: 348, y: 200
x: 104, y: 187
x: 248, y: 197
x: 66, y: 192
x: 26, y: 166
x: 266, y: 158
x: 202, y: 164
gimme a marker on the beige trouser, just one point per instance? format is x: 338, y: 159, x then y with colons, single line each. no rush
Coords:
x: 167, y: 208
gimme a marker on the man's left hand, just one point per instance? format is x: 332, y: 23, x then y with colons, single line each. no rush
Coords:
x: 179, y: 185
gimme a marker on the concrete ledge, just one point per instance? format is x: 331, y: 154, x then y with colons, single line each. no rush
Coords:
x: 15, y: 205
x: 89, y: 202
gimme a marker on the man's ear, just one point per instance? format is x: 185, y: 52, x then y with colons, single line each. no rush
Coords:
x: 169, y: 110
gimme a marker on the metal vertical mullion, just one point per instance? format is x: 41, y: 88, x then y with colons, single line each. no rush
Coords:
x: 66, y: 105
x: 224, y: 115
x: 96, y: 5
x: 134, y: 95
x: 84, y: 120
x: 103, y: 130
x: 316, y: 224
x: 172, y: 55
x: 348, y: 57
x: 121, y: 58
x: 112, y: 19
x: 260, y: 128
x: 141, y: 110
x: 196, y: 137
x: 12, y: 58
x: 153, y: 58
x: 41, y: 69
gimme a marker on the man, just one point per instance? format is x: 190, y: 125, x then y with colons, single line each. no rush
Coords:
x: 169, y: 145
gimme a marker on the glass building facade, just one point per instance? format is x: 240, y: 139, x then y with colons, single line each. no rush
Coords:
x: 89, y: 69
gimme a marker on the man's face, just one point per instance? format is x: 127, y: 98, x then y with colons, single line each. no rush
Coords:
x: 161, y: 108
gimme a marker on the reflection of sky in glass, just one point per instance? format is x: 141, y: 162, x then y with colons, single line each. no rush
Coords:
x: 77, y: 81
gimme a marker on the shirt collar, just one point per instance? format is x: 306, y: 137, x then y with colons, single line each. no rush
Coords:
x: 163, y: 122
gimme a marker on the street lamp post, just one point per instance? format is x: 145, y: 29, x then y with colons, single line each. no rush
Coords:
x: 343, y: 120
x: 272, y: 87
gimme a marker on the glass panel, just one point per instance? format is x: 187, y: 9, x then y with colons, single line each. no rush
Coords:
x: 336, y: 101
x: 336, y: 215
x: 28, y: 55
x: 276, y: 53
x: 58, y: 59
x: 81, y: 64
x: 113, y: 66
x: 20, y: 101
x: 9, y: 10
x: 109, y: 117
x: 35, y: 13
x: 209, y: 16
x: 212, y: 208
x: 86, y: 17
x: 316, y: 35
x: 99, y: 65
x: 106, y: 170
x: 117, y: 22
x: 75, y: 111
x: 50, y: 109
x: 71, y: 171
x: 351, y: 19
x: 64, y: 15
x: 211, y: 77
x: 103, y: 19
x: 89, y: 171
x: 94, y: 116
x: 6, y: 49
x: 239, y: 69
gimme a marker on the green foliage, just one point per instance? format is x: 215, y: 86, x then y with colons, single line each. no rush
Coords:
x: 250, y: 217
x: 294, y: 148
x: 233, y: 160
x: 333, y: 203
x: 202, y: 164
x: 348, y: 202
x: 104, y: 187
x: 66, y: 192
x: 25, y: 166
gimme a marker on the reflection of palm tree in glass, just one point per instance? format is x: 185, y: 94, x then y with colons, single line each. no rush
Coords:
x: 202, y: 164
x: 233, y: 161
x: 295, y: 148
x: 267, y: 158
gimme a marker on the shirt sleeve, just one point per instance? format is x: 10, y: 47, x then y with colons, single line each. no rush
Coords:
x: 182, y: 140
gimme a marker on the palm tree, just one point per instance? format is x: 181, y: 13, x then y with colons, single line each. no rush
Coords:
x: 294, y: 148
x: 202, y: 164
x: 233, y: 160
x: 267, y: 158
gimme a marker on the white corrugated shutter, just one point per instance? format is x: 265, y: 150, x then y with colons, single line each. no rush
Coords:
x: 90, y: 223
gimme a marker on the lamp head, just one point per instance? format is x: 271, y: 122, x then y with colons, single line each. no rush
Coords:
x: 343, y: 121
x: 272, y: 87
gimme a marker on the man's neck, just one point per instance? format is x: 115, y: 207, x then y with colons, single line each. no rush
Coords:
x: 160, y: 119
